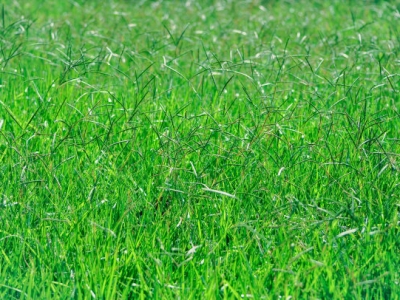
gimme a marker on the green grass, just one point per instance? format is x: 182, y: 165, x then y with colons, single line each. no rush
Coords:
x: 199, y: 149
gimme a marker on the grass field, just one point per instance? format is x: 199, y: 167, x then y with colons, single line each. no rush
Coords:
x: 199, y: 149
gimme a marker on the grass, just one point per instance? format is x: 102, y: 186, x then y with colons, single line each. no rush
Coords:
x: 199, y: 149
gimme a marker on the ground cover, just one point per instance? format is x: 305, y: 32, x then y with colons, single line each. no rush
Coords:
x: 199, y: 149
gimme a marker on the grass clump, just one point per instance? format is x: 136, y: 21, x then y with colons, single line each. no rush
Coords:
x: 222, y: 149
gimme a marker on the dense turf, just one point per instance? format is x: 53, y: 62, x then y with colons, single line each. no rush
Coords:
x: 199, y: 149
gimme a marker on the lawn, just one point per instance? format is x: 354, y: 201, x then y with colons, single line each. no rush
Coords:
x: 212, y: 149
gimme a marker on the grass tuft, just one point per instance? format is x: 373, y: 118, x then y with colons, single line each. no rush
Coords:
x: 199, y: 150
